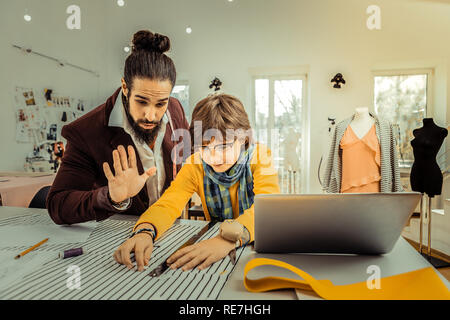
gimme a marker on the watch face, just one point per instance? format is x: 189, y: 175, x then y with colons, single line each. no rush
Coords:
x: 122, y: 205
x: 231, y: 230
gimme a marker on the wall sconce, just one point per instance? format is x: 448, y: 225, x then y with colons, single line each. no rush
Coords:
x: 216, y: 84
x: 338, y: 79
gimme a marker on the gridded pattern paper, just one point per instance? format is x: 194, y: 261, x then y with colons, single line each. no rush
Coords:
x: 103, y: 278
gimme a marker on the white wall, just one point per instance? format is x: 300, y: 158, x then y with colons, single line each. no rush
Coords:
x: 46, y: 33
x: 326, y: 36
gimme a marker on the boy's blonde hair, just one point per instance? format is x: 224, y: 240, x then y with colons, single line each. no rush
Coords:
x: 223, y: 113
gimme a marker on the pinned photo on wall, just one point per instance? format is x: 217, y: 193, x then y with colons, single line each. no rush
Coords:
x: 22, y: 133
x: 48, y: 97
x: 80, y: 105
x: 36, y: 113
x: 21, y: 117
x: 52, y: 133
x: 29, y: 98
x: 34, y: 117
x: 24, y: 97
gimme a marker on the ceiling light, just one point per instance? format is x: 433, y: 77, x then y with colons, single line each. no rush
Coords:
x: 189, y: 30
x: 120, y: 3
x: 27, y: 18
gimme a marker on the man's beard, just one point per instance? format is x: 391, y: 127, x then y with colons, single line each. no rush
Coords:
x: 146, y: 136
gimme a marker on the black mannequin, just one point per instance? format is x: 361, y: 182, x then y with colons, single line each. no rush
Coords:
x: 426, y: 176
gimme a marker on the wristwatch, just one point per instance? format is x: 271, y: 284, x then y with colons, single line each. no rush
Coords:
x: 232, y: 230
x: 123, y: 205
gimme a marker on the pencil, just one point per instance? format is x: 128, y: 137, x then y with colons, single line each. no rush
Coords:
x: 30, y: 249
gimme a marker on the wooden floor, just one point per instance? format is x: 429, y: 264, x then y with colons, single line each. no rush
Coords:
x: 444, y: 271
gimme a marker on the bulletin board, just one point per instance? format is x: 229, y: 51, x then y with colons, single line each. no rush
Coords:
x: 40, y: 114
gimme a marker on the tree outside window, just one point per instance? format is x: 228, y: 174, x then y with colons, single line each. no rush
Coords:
x: 402, y: 100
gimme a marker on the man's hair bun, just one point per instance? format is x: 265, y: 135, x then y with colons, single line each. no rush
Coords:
x: 148, y: 41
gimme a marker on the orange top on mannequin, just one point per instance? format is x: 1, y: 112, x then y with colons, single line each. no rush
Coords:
x: 361, y: 160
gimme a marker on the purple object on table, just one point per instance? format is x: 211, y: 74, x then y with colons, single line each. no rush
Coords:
x: 71, y: 253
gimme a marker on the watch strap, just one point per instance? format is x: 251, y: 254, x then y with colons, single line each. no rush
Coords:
x: 121, y: 206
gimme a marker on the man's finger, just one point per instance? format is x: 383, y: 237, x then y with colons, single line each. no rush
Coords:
x: 107, y: 170
x: 150, y: 172
x: 132, y: 157
x: 132, y: 162
x: 117, y: 165
x: 123, y: 157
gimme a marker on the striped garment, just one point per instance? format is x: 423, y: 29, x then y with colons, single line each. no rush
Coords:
x: 217, y: 184
x: 390, y: 173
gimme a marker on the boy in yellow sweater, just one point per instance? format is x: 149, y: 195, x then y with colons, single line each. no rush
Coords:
x: 226, y: 170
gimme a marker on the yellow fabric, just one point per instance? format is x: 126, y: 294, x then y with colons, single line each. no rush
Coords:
x: 167, y: 209
x: 422, y: 284
x: 361, y: 162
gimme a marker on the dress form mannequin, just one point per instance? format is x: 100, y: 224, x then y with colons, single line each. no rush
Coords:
x: 362, y: 122
x: 426, y: 176
x: 292, y: 158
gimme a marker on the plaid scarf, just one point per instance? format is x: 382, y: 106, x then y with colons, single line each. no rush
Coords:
x: 217, y: 184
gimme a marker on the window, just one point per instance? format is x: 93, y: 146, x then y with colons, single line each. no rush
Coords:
x: 402, y: 98
x: 181, y: 92
x: 279, y: 123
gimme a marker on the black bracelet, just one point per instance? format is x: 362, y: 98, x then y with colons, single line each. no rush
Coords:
x: 151, y: 231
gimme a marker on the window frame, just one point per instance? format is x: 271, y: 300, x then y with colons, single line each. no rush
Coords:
x: 188, y: 113
x: 429, y: 107
x: 409, y: 72
x: 305, y: 129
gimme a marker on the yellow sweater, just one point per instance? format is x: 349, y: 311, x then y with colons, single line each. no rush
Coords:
x: 163, y: 213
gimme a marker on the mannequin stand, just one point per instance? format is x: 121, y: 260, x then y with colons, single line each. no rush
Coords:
x: 292, y: 181
x: 436, y: 262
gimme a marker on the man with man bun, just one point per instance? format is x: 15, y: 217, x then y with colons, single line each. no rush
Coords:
x: 124, y: 144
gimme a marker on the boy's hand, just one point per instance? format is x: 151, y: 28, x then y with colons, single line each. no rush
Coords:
x: 202, y: 254
x: 142, y: 246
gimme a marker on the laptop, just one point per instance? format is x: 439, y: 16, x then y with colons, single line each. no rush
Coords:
x: 357, y: 223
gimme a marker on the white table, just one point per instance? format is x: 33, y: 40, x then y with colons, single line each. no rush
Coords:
x: 340, y: 269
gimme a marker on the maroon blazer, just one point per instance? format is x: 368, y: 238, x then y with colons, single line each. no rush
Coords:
x: 79, y: 191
